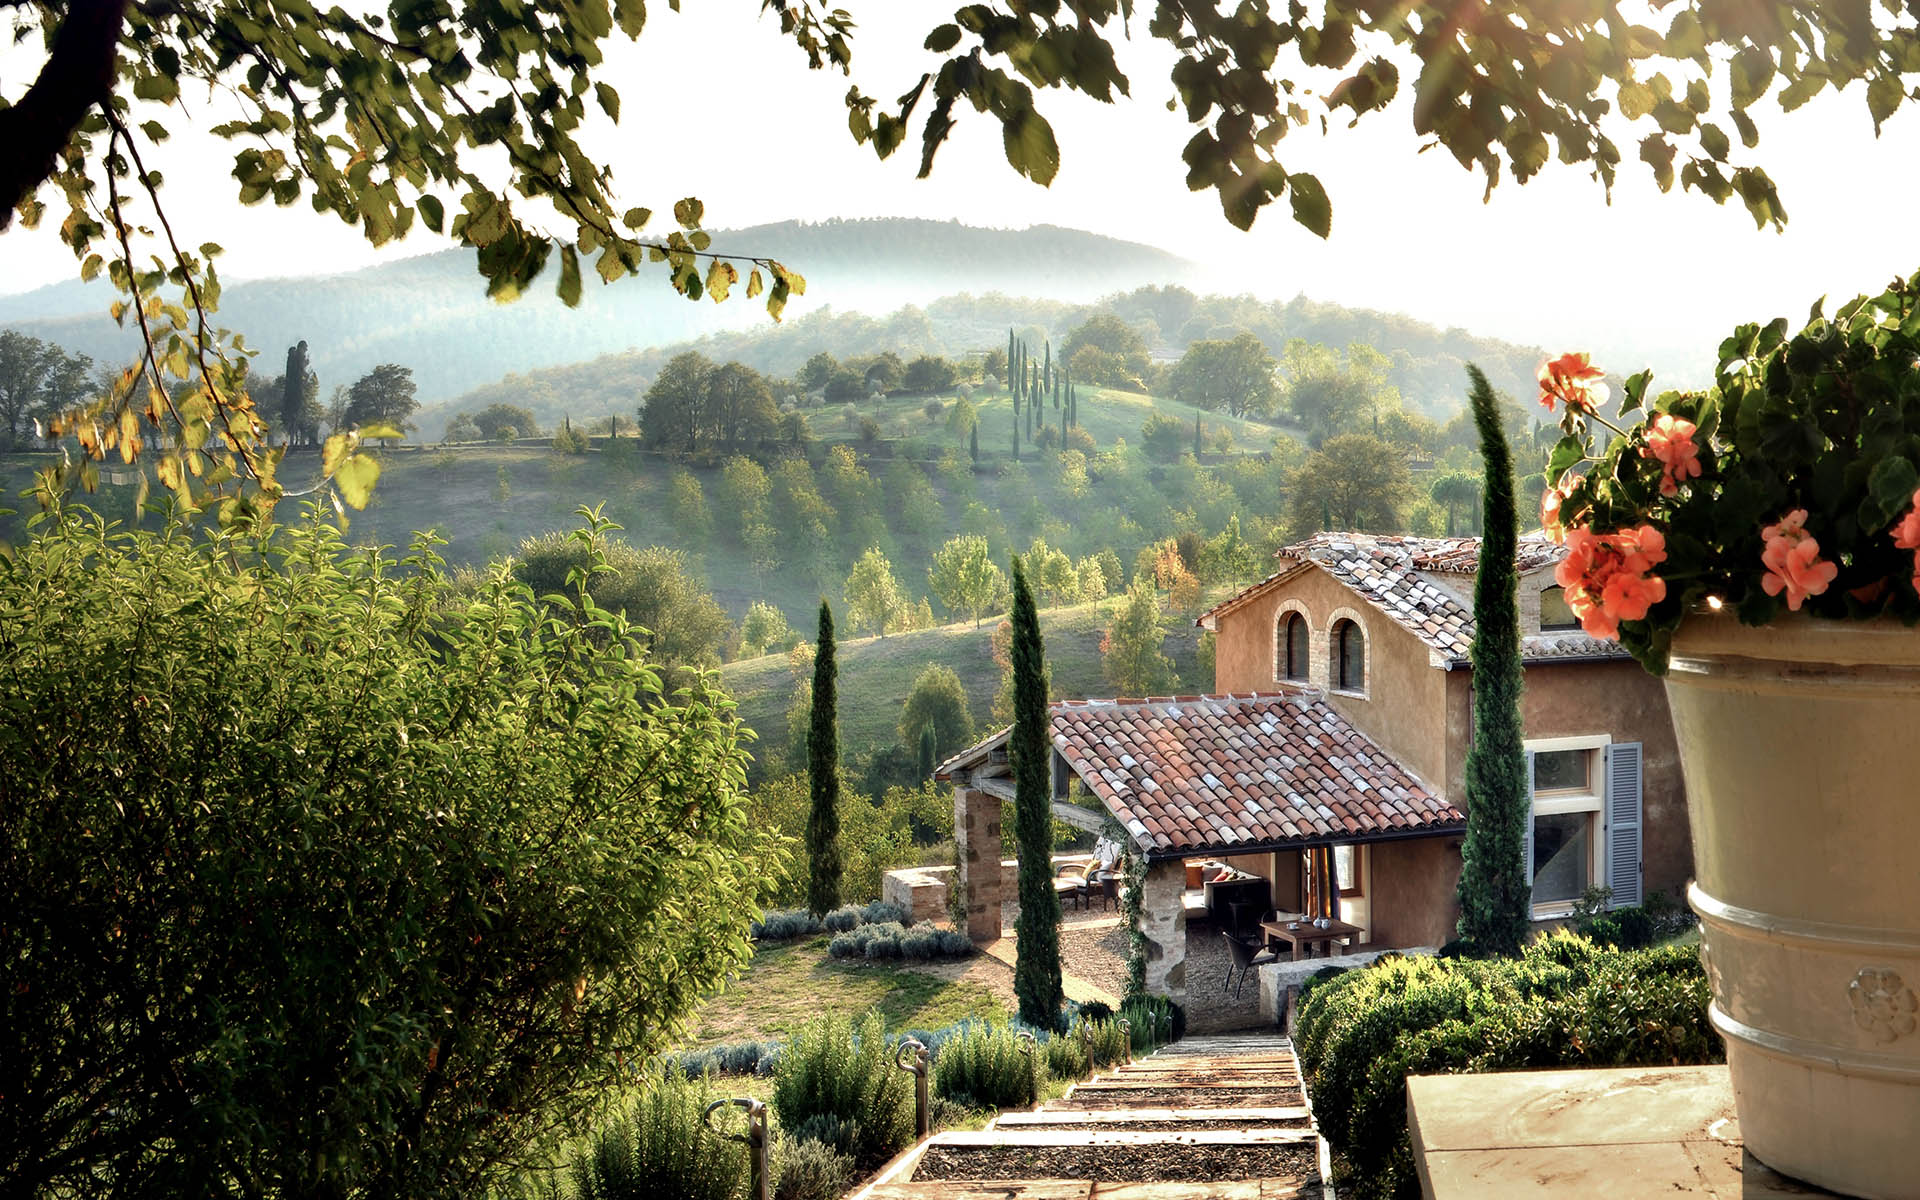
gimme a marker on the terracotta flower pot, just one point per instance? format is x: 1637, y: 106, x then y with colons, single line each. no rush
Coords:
x: 1801, y: 747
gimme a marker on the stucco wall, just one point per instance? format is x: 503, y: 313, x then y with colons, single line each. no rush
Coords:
x: 1412, y: 891
x: 1403, y: 709
x: 1615, y: 698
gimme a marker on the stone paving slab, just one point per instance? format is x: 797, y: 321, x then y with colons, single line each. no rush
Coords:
x: 1623, y: 1133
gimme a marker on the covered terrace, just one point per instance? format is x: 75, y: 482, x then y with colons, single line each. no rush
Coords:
x: 1241, y: 805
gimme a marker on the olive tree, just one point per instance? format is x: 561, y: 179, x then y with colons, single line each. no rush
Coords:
x: 323, y: 877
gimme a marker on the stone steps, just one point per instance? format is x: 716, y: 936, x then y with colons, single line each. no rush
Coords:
x: 1207, y: 1118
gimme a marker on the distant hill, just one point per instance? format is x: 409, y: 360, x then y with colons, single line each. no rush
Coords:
x: 1428, y: 361
x: 431, y: 312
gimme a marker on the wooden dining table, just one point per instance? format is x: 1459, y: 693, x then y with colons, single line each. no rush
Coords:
x: 1307, y: 935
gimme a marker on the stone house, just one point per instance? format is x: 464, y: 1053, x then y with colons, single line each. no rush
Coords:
x: 1329, y: 761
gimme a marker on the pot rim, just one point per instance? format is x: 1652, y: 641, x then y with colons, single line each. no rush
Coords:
x: 1708, y: 639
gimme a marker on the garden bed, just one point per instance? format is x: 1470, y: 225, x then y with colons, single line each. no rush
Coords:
x: 1147, y: 1163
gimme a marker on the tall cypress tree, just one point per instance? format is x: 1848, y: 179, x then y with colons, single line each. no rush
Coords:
x: 293, y: 394
x: 824, y: 864
x: 1046, y: 373
x: 1036, y: 964
x: 1010, y: 358
x: 929, y: 751
x: 1016, y: 437
x: 973, y: 441
x: 1496, y: 887
x: 1196, y: 436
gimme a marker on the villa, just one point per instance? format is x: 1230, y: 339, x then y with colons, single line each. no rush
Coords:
x: 1325, y: 775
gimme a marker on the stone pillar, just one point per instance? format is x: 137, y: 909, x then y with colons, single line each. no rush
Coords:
x: 1163, y: 918
x: 976, y: 829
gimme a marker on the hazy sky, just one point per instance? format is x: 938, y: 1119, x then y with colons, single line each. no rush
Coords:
x: 763, y: 140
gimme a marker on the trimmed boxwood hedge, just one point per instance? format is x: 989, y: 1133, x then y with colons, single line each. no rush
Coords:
x: 1564, y: 1003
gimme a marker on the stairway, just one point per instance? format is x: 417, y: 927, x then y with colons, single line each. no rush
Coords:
x: 1206, y: 1118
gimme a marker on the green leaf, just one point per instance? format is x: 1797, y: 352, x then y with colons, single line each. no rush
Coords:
x: 1752, y: 73
x: 1890, y: 488
x: 1884, y: 95
x: 1030, y: 147
x: 1749, y: 133
x: 688, y: 212
x: 569, y: 289
x: 1311, y: 207
x: 1714, y: 140
x: 609, y: 100
x: 1566, y: 452
x: 355, y: 478
x: 1636, y: 391
x: 432, y: 212
x: 1636, y: 100
x: 636, y: 218
x: 943, y: 38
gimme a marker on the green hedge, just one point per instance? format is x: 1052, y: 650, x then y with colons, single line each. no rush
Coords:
x: 1564, y: 1003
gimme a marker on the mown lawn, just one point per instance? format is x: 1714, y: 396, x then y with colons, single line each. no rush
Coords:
x: 788, y: 985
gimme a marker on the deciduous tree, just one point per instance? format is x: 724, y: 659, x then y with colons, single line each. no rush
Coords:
x: 874, y: 598
x: 1355, y: 481
x: 1130, y: 652
x: 965, y: 578
x: 937, y: 704
x: 383, y: 396
x: 1234, y: 374
x: 384, y: 872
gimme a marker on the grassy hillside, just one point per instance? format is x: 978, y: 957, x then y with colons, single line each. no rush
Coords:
x: 877, y: 673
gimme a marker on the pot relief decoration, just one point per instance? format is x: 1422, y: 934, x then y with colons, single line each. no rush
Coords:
x: 1883, y: 1004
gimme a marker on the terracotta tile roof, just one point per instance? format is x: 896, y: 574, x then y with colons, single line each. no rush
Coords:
x: 1390, y: 572
x: 1216, y: 773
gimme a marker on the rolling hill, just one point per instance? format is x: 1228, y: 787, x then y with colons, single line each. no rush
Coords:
x: 431, y: 312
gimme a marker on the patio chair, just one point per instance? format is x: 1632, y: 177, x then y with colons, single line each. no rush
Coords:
x: 1244, y: 958
x: 1108, y: 885
x: 1071, y: 883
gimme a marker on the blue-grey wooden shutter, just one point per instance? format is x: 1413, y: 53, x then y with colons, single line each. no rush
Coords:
x: 1526, y: 842
x: 1623, y: 823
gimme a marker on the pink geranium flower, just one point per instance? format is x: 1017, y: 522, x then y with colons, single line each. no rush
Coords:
x: 1608, y: 578
x: 1670, y: 442
x: 1906, y: 535
x: 1792, y: 559
x: 1568, y: 379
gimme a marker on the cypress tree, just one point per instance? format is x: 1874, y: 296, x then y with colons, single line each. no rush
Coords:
x: 1010, y: 358
x: 1016, y: 437
x: 824, y: 864
x: 973, y: 441
x: 1046, y: 374
x: 1063, y: 426
x: 1036, y: 964
x: 1496, y: 888
x: 1196, y: 437
x: 929, y: 751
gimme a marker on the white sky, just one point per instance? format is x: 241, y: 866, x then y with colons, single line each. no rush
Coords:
x: 764, y: 140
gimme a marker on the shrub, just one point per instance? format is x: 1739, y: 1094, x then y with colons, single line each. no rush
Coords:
x: 1096, y: 1010
x: 285, y: 836
x: 1563, y: 1003
x: 890, y: 939
x: 657, y: 1149
x: 835, y: 1069
x: 1155, y: 1021
x: 1105, y: 1041
x: 842, y: 919
x: 785, y: 924
x: 809, y: 1169
x: 984, y: 1066
x: 879, y: 912
x: 1066, y: 1058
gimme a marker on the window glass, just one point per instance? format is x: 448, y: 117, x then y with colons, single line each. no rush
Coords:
x: 1561, y: 771
x: 1554, y: 613
x: 1296, y: 647
x: 1346, y: 869
x: 1350, y: 658
x: 1562, y: 856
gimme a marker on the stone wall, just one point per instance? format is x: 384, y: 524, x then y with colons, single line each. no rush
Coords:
x: 1163, y: 918
x: 922, y: 891
x: 976, y: 826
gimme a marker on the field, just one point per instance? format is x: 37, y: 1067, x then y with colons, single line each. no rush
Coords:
x: 787, y: 985
x: 877, y: 673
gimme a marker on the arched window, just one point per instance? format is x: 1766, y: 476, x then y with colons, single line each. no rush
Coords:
x: 1554, y: 613
x: 1349, y: 665
x: 1293, y: 647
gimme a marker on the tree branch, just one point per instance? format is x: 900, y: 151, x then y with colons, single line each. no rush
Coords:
x: 78, y: 74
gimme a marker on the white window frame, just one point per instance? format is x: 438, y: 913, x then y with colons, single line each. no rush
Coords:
x: 1594, y: 800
